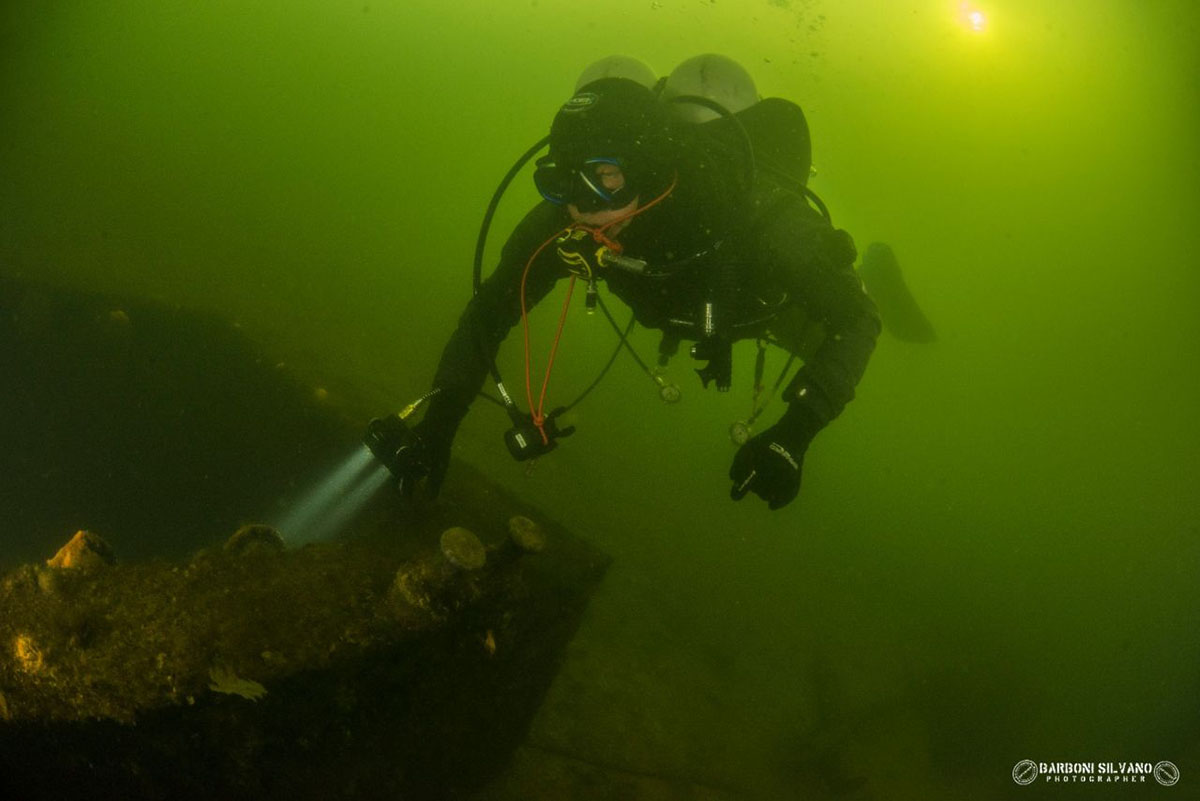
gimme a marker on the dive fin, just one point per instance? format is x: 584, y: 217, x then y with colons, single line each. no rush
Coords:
x: 902, y: 317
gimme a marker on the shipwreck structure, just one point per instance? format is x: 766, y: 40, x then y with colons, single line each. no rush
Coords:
x: 404, y: 659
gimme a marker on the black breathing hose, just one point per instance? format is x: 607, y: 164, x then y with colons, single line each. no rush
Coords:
x: 481, y: 242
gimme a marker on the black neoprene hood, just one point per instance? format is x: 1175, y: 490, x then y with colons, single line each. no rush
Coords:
x: 615, y: 118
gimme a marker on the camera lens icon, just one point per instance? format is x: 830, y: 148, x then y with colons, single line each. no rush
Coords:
x: 1166, y: 773
x: 1025, y: 772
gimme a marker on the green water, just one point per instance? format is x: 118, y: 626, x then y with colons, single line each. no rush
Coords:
x: 994, y: 556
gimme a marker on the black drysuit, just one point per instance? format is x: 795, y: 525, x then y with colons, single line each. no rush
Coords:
x: 793, y: 280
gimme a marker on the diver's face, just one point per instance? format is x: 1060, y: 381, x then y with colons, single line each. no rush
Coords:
x: 610, y: 177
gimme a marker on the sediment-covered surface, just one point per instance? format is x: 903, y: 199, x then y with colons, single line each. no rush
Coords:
x: 378, y: 665
x: 341, y: 670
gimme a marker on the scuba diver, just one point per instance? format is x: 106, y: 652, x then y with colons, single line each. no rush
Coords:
x: 780, y: 139
x: 688, y: 199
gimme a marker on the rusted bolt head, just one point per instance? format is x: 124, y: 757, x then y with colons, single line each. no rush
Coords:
x: 463, y: 549
x: 254, y: 537
x: 526, y: 534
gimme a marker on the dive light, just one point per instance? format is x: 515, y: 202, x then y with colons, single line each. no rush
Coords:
x: 393, y: 443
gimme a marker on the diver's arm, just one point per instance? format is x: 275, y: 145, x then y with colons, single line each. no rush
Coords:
x: 816, y: 263
x: 488, y: 318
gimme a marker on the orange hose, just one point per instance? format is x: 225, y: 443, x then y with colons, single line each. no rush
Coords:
x: 601, y: 237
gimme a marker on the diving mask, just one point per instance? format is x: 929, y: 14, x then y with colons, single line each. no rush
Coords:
x: 597, y: 184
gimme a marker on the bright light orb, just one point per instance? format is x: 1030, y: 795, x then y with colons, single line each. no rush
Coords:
x: 972, y: 18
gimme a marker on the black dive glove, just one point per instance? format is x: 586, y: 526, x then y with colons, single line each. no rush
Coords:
x: 421, y: 452
x: 770, y: 463
x: 414, y: 461
x: 434, y: 435
x: 401, y: 450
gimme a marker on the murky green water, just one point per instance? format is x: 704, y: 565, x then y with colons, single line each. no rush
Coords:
x: 994, y: 555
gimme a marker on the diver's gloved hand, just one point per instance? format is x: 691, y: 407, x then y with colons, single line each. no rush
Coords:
x: 421, y: 452
x: 401, y: 450
x: 436, y: 433
x: 408, y: 462
x: 431, y: 455
x: 769, y: 464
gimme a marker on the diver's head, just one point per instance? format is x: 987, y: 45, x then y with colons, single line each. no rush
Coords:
x: 609, y: 147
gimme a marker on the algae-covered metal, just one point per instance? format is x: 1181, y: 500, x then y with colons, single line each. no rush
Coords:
x: 285, y: 668
x: 191, y: 668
